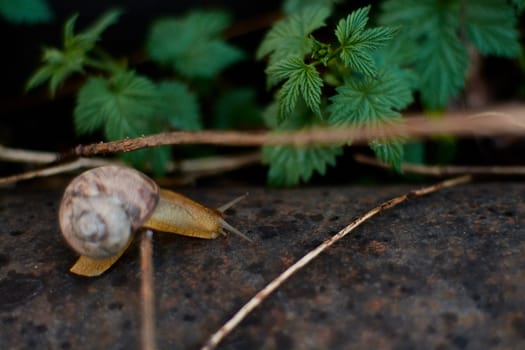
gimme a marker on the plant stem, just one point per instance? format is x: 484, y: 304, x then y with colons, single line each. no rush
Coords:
x: 147, y: 292
x: 508, y: 120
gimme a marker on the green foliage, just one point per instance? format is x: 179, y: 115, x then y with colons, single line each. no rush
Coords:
x: 358, y: 44
x: 301, y: 80
x: 491, y: 27
x: 351, y: 74
x: 290, y: 36
x: 178, y: 105
x: 289, y: 165
x: 58, y: 65
x: 129, y: 105
x: 371, y: 101
x: 237, y: 108
x: 519, y: 4
x: 192, y: 45
x: 370, y: 87
x: 26, y: 11
x: 435, y: 28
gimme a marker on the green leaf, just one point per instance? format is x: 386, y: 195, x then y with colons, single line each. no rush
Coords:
x: 434, y: 26
x: 26, y: 11
x: 79, y: 44
x: 371, y: 100
x: 491, y: 26
x: 58, y: 65
x: 236, y: 109
x: 290, y: 36
x: 358, y: 43
x: 126, y: 105
x: 179, y: 106
x: 192, y: 45
x: 390, y: 152
x: 519, y: 4
x: 441, y: 66
x: 290, y: 165
x: 302, y: 80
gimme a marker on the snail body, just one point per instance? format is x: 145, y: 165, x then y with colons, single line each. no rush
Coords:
x: 102, y: 208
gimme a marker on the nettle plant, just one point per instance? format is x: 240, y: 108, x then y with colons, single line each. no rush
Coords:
x: 323, y: 72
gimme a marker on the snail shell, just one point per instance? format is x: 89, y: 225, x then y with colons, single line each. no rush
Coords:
x: 102, y: 207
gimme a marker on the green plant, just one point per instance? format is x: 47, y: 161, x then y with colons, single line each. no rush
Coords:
x: 367, y: 76
x: 25, y: 11
x: 124, y: 103
x: 438, y: 33
x: 347, y: 73
x: 350, y: 80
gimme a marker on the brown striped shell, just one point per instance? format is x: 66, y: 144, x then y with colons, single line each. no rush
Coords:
x: 102, y: 207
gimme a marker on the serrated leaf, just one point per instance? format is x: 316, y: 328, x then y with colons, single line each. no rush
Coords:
x: 192, y: 45
x: 434, y: 26
x: 390, y: 152
x: 236, y: 109
x: 179, y: 106
x: 85, y: 40
x: 302, y: 80
x: 353, y: 23
x: 205, y: 60
x: 441, y: 67
x: 291, y: 165
x: 26, y: 11
x: 491, y: 26
x: 358, y: 43
x: 126, y: 105
x: 289, y: 36
x: 58, y: 65
x: 370, y: 100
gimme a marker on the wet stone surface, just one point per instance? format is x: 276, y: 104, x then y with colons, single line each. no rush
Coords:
x: 446, y: 271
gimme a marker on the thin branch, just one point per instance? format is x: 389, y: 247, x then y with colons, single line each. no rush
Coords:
x: 190, y: 169
x: 26, y: 156
x: 147, y: 292
x: 445, y: 170
x: 507, y: 120
x: 255, y: 301
x: 55, y: 169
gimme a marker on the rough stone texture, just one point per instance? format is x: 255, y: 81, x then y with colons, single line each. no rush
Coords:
x: 446, y: 271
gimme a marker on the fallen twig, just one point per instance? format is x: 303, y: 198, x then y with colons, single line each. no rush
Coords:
x: 190, y: 169
x: 147, y: 292
x: 27, y: 156
x: 55, y: 169
x: 444, y: 170
x: 507, y: 120
x: 255, y: 301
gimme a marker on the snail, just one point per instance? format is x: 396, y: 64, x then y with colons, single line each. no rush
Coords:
x: 102, y: 208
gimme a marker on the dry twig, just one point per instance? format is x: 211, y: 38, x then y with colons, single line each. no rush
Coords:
x: 54, y: 169
x: 255, y: 301
x: 189, y: 168
x: 147, y: 292
x: 507, y: 120
x: 444, y: 170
